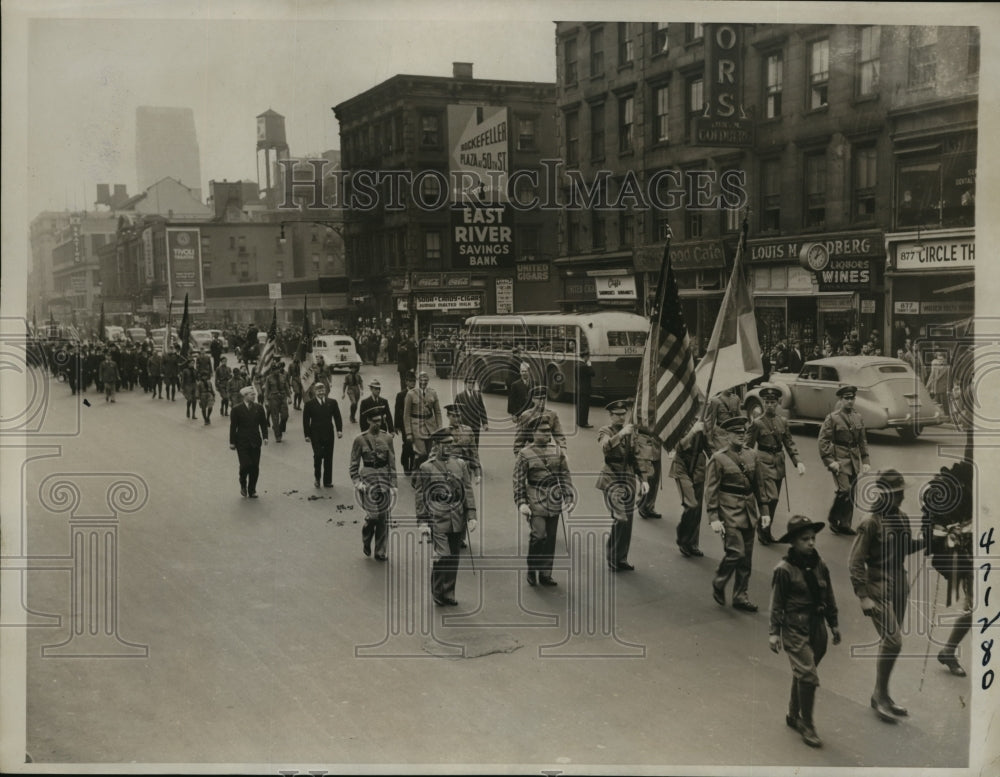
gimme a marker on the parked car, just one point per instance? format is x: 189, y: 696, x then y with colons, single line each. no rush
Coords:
x: 158, y: 336
x: 201, y: 338
x: 338, y: 351
x: 890, y: 395
x: 114, y: 333
x: 136, y: 334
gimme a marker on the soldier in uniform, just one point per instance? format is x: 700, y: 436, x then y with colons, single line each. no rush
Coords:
x: 373, y: 472
x: 621, y: 482
x: 732, y: 487
x: 648, y: 450
x: 464, y: 441
x: 843, y: 446
x: 206, y: 396
x: 406, y: 454
x: 222, y: 377
x: 237, y: 382
x: 769, y: 434
x: 171, y: 369
x: 721, y: 407
x: 421, y: 418
x: 688, y: 469
x: 534, y: 410
x: 154, y: 369
x: 276, y: 393
x: 542, y: 490
x: 353, y: 384
x: 446, y: 509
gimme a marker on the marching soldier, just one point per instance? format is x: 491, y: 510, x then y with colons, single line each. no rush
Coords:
x: 353, y: 384
x: 648, y: 450
x: 237, y: 382
x: 373, y: 472
x: 621, y: 482
x: 421, y: 417
x: 276, y: 392
x: 406, y: 455
x: 721, y: 407
x: 732, y: 485
x: 769, y: 433
x: 843, y: 446
x: 222, y: 377
x: 537, y: 409
x: 446, y: 509
x: 464, y: 444
x: 542, y: 490
x: 688, y: 469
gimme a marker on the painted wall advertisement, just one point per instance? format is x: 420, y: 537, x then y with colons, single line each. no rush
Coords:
x: 184, y: 264
x: 505, y: 296
x: 147, y: 255
x: 483, y: 236
x: 937, y: 255
x: 447, y: 301
x: 479, y: 160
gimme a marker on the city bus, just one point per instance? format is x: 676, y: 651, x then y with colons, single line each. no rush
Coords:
x: 555, y: 345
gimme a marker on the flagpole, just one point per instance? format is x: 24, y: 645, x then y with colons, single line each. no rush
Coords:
x: 661, y: 285
x: 737, y: 265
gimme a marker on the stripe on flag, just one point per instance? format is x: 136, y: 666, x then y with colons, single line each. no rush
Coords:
x: 307, y: 365
x: 267, y: 354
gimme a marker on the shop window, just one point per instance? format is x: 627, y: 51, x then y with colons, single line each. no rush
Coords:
x: 625, y: 50
x: 923, y: 56
x: 774, y: 76
x: 866, y: 79
x: 865, y: 167
x: 626, y: 117
x: 596, y: 52
x: 815, y: 175
x: 938, y: 190
x: 573, y: 138
x: 819, y: 73
x: 597, y: 132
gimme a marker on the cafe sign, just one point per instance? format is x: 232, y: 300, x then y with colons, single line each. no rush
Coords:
x: 615, y: 287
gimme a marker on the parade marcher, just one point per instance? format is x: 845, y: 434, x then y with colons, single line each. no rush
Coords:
x: 247, y: 431
x: 463, y: 442
x: 421, y: 417
x: 154, y: 370
x: 237, y: 382
x: 406, y: 455
x: 321, y: 374
x: 109, y: 377
x: 294, y: 371
x: 373, y: 473
x: 319, y: 416
x: 878, y: 575
x: 446, y: 510
x: 222, y: 377
x: 536, y: 408
x: 621, y: 482
x: 543, y: 489
x: 721, y: 407
x: 353, y: 385
x: 206, y: 396
x: 770, y: 435
x: 276, y: 393
x: 203, y: 362
x: 189, y: 388
x: 171, y: 370
x: 688, y: 469
x: 584, y: 386
x: 215, y: 348
x: 472, y: 409
x: 802, y: 604
x: 939, y: 380
x: 92, y: 369
x: 648, y: 451
x: 74, y: 370
x: 732, y: 490
x: 376, y: 398
x: 843, y: 446
x: 406, y: 360
x: 519, y: 394
x: 141, y: 368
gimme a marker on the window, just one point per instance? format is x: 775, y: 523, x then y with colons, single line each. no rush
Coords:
x: 315, y: 262
x: 573, y: 138
x: 625, y: 118
x: 774, y: 74
x: 599, y: 238
x: 313, y: 235
x: 694, y: 32
x: 430, y: 130
x: 819, y: 73
x: 232, y: 242
x: 279, y: 269
x: 432, y: 245
x: 694, y: 224
x: 815, y: 169
x: 597, y: 131
x: 572, y: 232
x: 661, y: 127
x: 938, y: 188
x: 973, y: 49
x: 529, y: 240
x: 430, y: 189
x: 770, y: 175
x: 626, y: 230
x: 660, y: 43
x: 206, y: 270
x: 625, y: 51
x: 731, y: 221
x: 695, y: 101
x: 569, y: 61
x: 232, y: 268
x: 868, y: 60
x: 864, y: 183
x: 923, y: 61
x: 596, y: 52
x: 525, y: 133
x: 244, y: 271
x: 661, y: 227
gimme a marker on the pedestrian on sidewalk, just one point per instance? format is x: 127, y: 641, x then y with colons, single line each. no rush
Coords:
x: 802, y: 604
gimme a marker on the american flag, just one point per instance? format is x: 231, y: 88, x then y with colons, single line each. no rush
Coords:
x: 667, y: 399
x: 267, y: 354
x: 304, y: 356
x: 184, y: 333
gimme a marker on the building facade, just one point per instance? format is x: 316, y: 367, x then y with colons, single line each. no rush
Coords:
x: 166, y: 144
x: 820, y: 119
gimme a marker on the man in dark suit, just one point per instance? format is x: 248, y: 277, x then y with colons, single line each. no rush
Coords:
x: 471, y: 408
x: 406, y: 454
x: 318, y: 418
x: 247, y: 429
x: 377, y: 400
x: 519, y: 393
x: 795, y: 359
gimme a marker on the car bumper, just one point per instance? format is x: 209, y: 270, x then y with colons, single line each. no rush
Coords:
x: 915, y: 420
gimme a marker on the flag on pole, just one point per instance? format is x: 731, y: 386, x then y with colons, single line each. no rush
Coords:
x: 304, y: 355
x: 267, y: 355
x: 100, y: 325
x: 667, y: 399
x: 168, y: 339
x: 184, y: 333
x: 733, y: 354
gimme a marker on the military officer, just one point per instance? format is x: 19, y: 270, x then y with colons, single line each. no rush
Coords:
x: 446, y: 509
x: 688, y: 469
x: 376, y: 398
x: 536, y: 409
x: 722, y: 406
x: 648, y: 451
x: 277, y: 393
x: 464, y: 444
x: 843, y: 446
x: 421, y: 417
x: 732, y: 490
x: 222, y: 377
x: 621, y: 481
x: 373, y: 473
x: 769, y: 433
x: 542, y: 490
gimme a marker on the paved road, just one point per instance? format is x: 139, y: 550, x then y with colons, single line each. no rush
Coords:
x: 255, y: 616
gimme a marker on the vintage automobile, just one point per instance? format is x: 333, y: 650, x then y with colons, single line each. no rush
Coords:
x: 338, y: 351
x: 890, y: 395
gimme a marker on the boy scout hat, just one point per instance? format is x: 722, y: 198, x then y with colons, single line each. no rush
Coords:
x: 377, y: 411
x: 891, y: 480
x: 847, y: 391
x: 444, y: 434
x: 375, y: 383
x: 452, y: 408
x: 798, y: 524
x: 737, y: 423
x: 618, y: 405
x: 770, y: 391
x: 539, y: 392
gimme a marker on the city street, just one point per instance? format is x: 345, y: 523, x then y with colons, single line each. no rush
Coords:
x: 256, y: 632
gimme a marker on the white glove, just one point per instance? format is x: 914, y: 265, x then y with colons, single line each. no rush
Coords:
x: 834, y: 467
x: 801, y: 468
x: 626, y: 429
x: 360, y: 485
x: 524, y: 510
x: 643, y: 488
x: 865, y: 468
x: 478, y: 479
x: 472, y: 525
x: 717, y: 526
x: 765, y: 521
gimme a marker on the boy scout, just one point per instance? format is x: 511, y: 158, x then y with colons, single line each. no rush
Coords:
x: 621, y: 481
x: 373, y: 472
x: 446, y: 509
x: 769, y: 433
x: 721, y: 407
x: 732, y: 484
x: 843, y: 446
x: 542, y: 490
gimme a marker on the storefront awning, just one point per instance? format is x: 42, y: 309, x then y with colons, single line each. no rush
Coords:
x: 956, y: 287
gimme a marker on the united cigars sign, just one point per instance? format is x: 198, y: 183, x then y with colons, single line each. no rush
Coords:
x: 724, y: 122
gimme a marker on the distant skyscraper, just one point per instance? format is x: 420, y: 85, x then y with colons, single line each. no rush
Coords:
x: 166, y: 145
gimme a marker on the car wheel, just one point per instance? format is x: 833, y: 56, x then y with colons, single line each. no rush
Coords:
x: 556, y: 385
x: 754, y: 408
x: 909, y: 433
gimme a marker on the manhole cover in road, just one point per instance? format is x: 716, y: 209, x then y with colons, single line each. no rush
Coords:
x: 474, y: 643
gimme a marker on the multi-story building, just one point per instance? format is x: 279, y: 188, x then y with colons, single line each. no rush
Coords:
x: 76, y: 269
x: 44, y: 235
x: 841, y: 118
x: 166, y: 144
x: 421, y: 262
